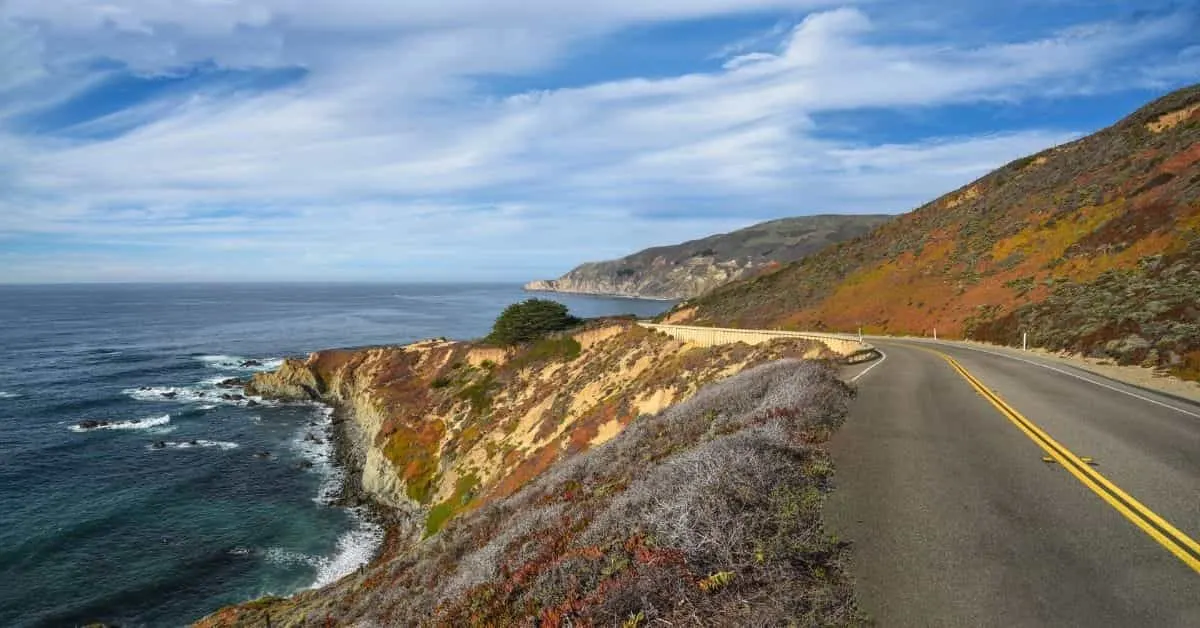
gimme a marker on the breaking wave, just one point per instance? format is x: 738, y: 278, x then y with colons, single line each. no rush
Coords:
x: 239, y: 363
x: 354, y: 548
x: 194, y: 444
x: 207, y: 393
x: 133, y: 424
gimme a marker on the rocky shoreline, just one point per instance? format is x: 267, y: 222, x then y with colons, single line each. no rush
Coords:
x: 541, y: 286
x: 349, y: 457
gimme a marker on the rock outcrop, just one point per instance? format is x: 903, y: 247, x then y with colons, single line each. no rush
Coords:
x: 442, y: 426
x: 530, y: 522
x: 693, y: 268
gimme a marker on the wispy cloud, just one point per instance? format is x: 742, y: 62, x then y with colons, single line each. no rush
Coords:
x: 390, y: 156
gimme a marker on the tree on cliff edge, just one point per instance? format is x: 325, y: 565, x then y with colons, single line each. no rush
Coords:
x: 529, y: 320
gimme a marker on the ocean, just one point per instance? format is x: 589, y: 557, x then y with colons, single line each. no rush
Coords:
x: 135, y: 490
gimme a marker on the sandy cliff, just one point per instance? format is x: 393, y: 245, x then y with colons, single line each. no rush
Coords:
x: 527, y: 519
x: 444, y: 426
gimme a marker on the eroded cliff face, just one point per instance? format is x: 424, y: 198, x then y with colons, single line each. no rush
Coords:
x: 447, y: 426
x: 545, y: 526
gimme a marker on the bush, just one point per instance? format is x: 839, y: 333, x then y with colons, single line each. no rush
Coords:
x: 562, y: 349
x: 530, y: 320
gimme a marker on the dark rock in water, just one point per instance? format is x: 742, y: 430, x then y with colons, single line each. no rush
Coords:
x: 251, y: 363
x: 193, y: 443
x: 252, y: 404
x: 229, y: 397
x: 158, y: 444
x: 263, y: 454
x: 91, y: 424
x: 170, y: 394
x: 232, y: 382
x: 304, y: 464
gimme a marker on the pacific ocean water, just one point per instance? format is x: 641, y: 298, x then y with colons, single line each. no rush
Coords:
x: 186, y: 501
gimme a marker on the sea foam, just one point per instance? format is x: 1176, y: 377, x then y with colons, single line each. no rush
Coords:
x: 206, y: 393
x: 133, y: 424
x: 235, y: 362
x: 354, y: 548
x: 194, y: 444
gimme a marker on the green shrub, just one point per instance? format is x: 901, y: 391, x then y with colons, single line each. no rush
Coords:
x: 563, y: 348
x: 479, y: 394
x: 530, y: 320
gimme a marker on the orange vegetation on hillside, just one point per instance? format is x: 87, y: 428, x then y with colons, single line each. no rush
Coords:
x: 1070, y: 215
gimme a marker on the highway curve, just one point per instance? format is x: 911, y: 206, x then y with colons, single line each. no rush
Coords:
x: 956, y: 519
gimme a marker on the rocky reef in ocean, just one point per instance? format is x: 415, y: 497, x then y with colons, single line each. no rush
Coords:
x: 552, y: 484
x: 693, y: 268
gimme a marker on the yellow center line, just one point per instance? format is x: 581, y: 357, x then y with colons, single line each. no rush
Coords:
x: 1179, y: 544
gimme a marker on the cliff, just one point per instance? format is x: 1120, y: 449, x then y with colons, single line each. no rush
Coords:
x: 695, y: 267
x: 444, y: 426
x: 502, y: 457
x: 1092, y: 246
x: 622, y: 533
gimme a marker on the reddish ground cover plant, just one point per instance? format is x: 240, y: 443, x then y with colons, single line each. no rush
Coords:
x: 706, y: 513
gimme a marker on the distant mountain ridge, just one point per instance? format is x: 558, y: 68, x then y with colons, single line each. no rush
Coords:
x: 1091, y: 247
x: 692, y: 268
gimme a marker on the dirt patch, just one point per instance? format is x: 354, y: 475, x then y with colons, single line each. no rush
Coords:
x: 1168, y: 120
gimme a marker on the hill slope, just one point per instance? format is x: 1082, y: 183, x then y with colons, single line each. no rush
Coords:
x: 1092, y: 246
x: 695, y: 267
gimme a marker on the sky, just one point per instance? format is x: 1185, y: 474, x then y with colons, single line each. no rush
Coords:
x: 508, y: 140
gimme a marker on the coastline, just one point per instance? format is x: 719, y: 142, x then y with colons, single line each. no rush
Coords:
x: 349, y: 458
x: 609, y: 295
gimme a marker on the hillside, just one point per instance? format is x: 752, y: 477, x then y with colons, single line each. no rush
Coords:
x: 1092, y: 246
x: 515, y: 491
x: 693, y: 268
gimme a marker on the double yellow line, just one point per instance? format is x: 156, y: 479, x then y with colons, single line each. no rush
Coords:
x: 1167, y: 535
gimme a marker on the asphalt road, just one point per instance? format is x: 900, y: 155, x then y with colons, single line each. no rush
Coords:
x: 956, y: 520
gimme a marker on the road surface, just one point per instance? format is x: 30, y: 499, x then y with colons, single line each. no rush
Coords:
x: 957, y: 519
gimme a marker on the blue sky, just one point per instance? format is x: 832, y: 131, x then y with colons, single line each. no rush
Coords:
x: 381, y: 140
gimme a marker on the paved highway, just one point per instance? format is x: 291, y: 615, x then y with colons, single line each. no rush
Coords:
x: 956, y: 519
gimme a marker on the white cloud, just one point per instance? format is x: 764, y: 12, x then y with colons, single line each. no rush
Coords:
x: 391, y: 151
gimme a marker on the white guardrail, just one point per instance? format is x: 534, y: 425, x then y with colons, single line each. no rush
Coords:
x: 849, y: 347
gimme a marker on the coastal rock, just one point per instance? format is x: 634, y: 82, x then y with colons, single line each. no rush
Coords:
x: 91, y: 424
x: 250, y: 364
x: 693, y: 268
